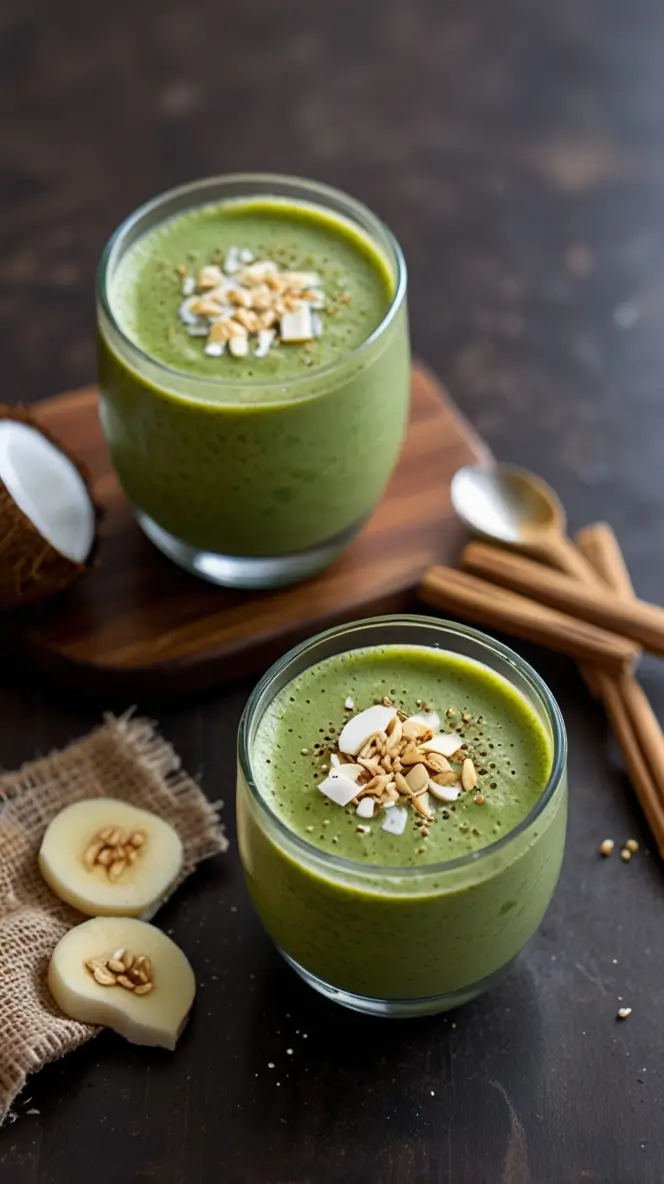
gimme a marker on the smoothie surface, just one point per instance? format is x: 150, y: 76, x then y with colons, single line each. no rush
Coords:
x: 146, y: 289
x: 507, y: 742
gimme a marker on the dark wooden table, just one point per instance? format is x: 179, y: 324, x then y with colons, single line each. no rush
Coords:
x: 517, y: 151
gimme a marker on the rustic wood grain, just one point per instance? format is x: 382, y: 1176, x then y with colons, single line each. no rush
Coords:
x: 140, y: 625
x: 516, y: 150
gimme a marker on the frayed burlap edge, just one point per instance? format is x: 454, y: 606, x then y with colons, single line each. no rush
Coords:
x: 124, y: 758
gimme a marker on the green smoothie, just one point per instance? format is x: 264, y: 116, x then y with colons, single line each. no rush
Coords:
x: 147, y: 290
x: 385, y: 923
x: 504, y: 737
x: 254, y: 374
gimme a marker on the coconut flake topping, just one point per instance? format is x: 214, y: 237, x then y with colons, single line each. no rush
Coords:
x: 390, y: 766
x: 251, y: 302
x: 361, y: 727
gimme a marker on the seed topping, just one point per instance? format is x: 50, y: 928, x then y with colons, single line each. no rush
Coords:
x: 113, y: 849
x: 122, y: 969
x: 252, y: 304
x: 381, y: 758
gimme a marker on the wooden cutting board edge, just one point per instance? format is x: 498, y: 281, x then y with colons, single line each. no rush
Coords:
x: 180, y: 677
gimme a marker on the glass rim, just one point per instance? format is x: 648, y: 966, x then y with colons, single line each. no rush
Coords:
x: 473, y: 858
x: 320, y: 188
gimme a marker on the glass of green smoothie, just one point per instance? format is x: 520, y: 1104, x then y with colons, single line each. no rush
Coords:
x: 402, y: 804
x: 254, y: 372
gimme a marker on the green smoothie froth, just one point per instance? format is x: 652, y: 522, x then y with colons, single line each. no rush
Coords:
x: 503, y: 736
x: 146, y: 292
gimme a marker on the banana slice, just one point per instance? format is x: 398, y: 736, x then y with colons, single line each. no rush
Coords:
x: 125, y: 974
x: 107, y: 858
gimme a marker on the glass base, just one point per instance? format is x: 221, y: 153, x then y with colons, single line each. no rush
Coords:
x: 398, y: 1008
x: 245, y: 571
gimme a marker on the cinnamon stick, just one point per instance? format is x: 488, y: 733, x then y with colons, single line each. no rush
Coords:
x: 480, y: 602
x: 630, y: 713
x: 600, y: 547
x: 637, y: 767
x: 601, y: 551
x: 617, y: 613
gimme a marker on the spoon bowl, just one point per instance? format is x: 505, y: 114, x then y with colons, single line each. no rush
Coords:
x: 506, y: 503
x: 512, y: 506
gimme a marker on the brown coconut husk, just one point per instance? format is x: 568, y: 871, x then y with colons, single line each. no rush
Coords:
x: 30, y: 568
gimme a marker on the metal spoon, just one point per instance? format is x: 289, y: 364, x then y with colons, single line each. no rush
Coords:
x: 512, y: 506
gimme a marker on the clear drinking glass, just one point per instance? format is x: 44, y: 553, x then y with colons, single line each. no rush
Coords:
x: 347, y: 419
x: 398, y: 941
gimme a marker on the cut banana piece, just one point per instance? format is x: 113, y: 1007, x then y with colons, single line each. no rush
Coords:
x: 125, y: 974
x: 107, y: 858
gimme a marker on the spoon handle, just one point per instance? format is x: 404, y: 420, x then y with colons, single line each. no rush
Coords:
x: 559, y: 551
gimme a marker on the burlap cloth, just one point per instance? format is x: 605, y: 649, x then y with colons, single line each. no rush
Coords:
x: 125, y: 759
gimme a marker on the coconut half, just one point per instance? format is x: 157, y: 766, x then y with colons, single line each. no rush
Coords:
x: 48, y: 519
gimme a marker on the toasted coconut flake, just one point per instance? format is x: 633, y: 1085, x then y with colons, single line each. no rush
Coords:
x: 265, y: 339
x: 417, y: 779
x: 232, y: 262
x: 220, y: 331
x: 340, y: 790
x: 422, y: 805
x: 437, y: 764
x: 447, y: 777
x: 296, y: 324
x: 411, y: 755
x: 209, y: 277
x: 429, y: 720
x: 288, y: 302
x: 365, y: 808
x: 444, y: 743
x: 186, y: 311
x: 444, y: 793
x: 239, y: 346
x: 399, y: 757
x: 358, y: 730
x: 351, y: 771
x: 413, y: 729
x: 258, y: 273
x: 395, y: 820
x: 207, y: 308
x: 301, y: 279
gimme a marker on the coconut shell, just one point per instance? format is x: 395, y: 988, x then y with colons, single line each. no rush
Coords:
x: 30, y: 568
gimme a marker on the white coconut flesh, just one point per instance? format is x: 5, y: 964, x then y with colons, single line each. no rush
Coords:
x: 47, y: 488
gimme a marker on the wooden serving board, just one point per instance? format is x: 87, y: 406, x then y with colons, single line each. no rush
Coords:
x: 139, y: 625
